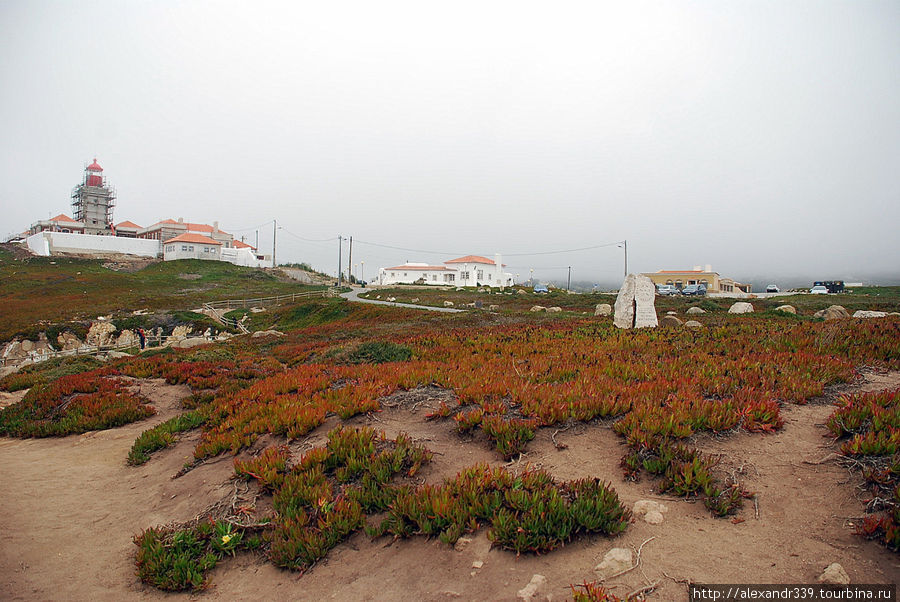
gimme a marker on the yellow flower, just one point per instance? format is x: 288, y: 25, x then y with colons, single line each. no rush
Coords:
x: 226, y: 538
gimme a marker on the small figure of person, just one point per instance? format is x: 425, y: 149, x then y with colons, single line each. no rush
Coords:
x: 142, y: 336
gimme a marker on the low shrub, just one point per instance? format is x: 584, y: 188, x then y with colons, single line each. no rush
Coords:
x: 163, y: 435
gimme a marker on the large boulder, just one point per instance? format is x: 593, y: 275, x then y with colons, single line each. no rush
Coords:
x: 862, y: 313
x: 554, y: 310
x: 668, y: 320
x: 127, y: 338
x: 537, y: 308
x: 181, y: 332
x: 790, y: 309
x: 603, y: 309
x: 834, y: 312
x: 635, y: 303
x: 187, y: 343
x: 100, y: 334
x: 693, y: 324
x: 68, y: 341
x: 695, y: 310
x: 741, y: 307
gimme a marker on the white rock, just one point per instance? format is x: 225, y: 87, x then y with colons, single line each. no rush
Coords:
x: 695, y: 310
x: 448, y: 303
x: 521, y: 291
x: 415, y: 300
x: 462, y: 543
x: 493, y: 308
x: 257, y: 310
x: 615, y: 561
x: 642, y: 507
x: 653, y: 517
x: 693, y: 324
x: 603, y: 309
x: 635, y: 303
x: 861, y: 313
x: 787, y: 308
x: 834, y: 312
x: 554, y: 310
x: 530, y: 591
x: 834, y: 573
x: 477, y: 564
x: 538, y: 308
x: 189, y: 342
x: 741, y: 307
x: 392, y: 299
x: 266, y: 333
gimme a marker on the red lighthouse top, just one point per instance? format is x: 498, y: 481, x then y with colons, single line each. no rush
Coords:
x: 93, y: 174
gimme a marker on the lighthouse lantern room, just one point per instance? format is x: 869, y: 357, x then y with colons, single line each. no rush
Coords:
x: 93, y: 201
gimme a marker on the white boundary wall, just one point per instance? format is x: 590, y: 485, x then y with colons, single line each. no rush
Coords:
x: 47, y: 243
x: 245, y: 257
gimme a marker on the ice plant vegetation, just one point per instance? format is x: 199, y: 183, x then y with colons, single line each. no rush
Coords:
x: 870, y: 423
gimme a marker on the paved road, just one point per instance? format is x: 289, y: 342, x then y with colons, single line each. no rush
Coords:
x: 354, y: 295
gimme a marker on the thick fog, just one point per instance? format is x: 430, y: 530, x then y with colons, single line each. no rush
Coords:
x: 760, y: 137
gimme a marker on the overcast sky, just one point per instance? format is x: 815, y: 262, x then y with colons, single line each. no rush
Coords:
x: 760, y: 137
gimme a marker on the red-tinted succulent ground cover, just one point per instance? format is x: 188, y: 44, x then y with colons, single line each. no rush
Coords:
x: 292, y: 411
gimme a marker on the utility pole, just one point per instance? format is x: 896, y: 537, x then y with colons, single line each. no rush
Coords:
x: 350, y: 261
x: 256, y: 248
x: 274, y: 232
x: 569, y: 280
x: 626, y: 258
x: 340, y: 239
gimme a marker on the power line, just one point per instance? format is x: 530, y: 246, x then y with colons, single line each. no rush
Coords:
x: 308, y: 239
x: 253, y: 228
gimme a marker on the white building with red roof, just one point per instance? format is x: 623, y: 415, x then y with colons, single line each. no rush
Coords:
x: 471, y: 270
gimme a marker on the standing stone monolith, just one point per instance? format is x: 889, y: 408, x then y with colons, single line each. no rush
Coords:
x: 635, y: 304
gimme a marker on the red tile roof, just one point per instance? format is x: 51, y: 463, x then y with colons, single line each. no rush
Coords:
x: 62, y: 217
x: 193, y: 238
x: 238, y: 244
x: 127, y: 224
x: 413, y: 268
x: 472, y: 259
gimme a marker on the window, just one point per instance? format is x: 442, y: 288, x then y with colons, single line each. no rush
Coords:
x: 481, y: 274
x: 464, y: 275
x: 190, y: 247
x: 184, y: 247
x: 434, y: 277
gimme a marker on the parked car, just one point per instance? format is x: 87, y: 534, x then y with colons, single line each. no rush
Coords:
x: 540, y: 288
x: 818, y: 290
x: 772, y: 288
x: 697, y: 290
x: 666, y: 289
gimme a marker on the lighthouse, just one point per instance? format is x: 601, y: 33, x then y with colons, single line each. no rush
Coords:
x: 93, y: 201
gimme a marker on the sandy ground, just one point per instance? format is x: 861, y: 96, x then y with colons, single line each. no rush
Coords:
x: 72, y: 506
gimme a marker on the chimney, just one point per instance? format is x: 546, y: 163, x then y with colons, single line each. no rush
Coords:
x: 215, y: 226
x: 180, y: 220
x: 709, y: 267
x: 697, y: 268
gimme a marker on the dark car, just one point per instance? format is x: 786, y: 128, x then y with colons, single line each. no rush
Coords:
x: 694, y: 290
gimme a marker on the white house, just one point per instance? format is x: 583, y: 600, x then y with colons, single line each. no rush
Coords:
x: 475, y: 270
x: 191, y: 246
x: 471, y: 270
x: 418, y: 273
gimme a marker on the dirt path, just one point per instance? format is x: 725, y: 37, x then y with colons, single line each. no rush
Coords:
x: 72, y: 507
